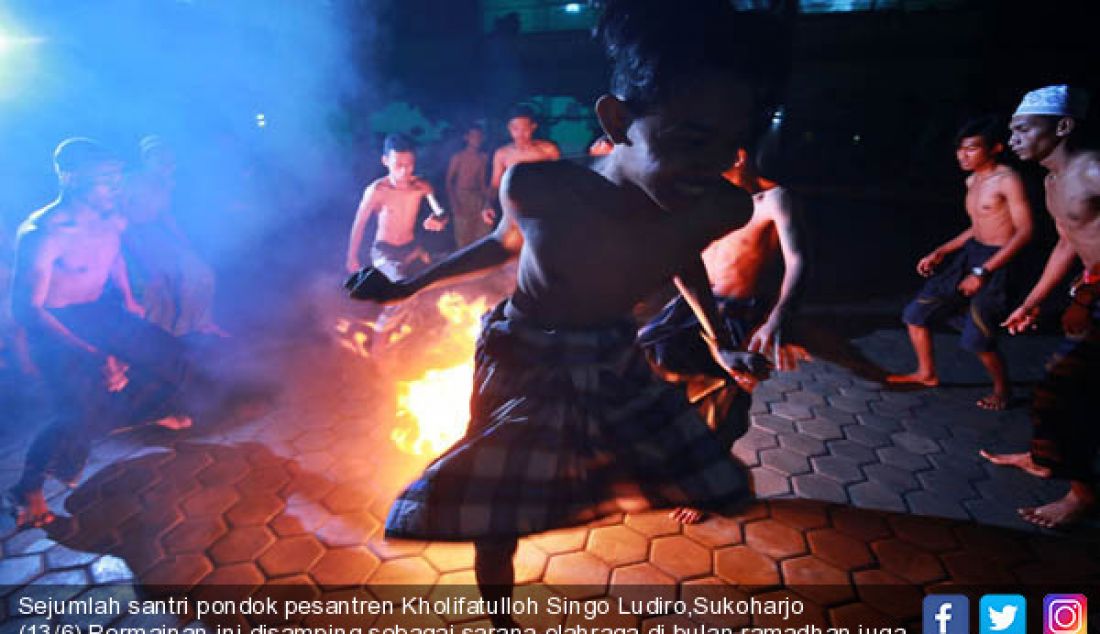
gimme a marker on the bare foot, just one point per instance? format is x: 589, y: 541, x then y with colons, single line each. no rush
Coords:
x: 915, y: 378
x: 1061, y: 513
x: 1019, y: 460
x: 994, y: 402
x: 687, y: 515
x: 174, y: 423
x: 31, y: 510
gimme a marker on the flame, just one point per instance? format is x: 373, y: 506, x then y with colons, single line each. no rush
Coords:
x: 432, y: 410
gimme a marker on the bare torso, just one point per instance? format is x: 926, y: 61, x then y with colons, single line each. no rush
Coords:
x: 988, y: 207
x: 593, y: 249
x: 85, y: 247
x: 538, y: 150
x: 397, y: 210
x: 469, y: 170
x: 1073, y: 198
x: 735, y: 263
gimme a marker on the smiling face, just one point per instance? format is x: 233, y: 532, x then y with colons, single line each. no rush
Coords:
x: 1033, y: 137
x: 687, y: 142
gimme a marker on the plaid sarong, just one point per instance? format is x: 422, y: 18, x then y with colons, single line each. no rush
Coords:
x: 566, y: 426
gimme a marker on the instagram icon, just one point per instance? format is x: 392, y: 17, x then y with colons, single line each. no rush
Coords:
x: 1065, y: 614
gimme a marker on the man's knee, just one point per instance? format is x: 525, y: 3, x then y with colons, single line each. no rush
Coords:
x: 920, y: 311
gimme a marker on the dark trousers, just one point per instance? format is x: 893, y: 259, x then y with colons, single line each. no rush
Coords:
x: 82, y: 408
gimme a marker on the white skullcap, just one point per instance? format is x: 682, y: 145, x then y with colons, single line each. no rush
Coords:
x: 1057, y: 101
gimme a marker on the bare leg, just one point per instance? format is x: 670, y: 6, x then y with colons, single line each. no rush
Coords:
x: 1019, y: 460
x: 29, y: 508
x: 995, y: 366
x: 496, y: 575
x: 1061, y: 513
x: 925, y: 375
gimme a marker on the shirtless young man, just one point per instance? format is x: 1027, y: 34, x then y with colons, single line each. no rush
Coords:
x: 1065, y: 405
x: 736, y: 265
x: 396, y: 199
x: 975, y: 280
x: 568, y: 422
x: 524, y: 148
x: 86, y: 348
x: 467, y: 189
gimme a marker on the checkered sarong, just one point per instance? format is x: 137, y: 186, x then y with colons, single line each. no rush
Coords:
x: 566, y: 426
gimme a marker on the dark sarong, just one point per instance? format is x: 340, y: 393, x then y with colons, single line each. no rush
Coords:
x: 566, y: 426
x: 674, y: 343
x: 977, y: 317
x: 398, y: 261
x: 83, y: 409
x: 1066, y: 407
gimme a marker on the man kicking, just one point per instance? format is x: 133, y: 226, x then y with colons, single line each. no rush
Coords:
x: 1065, y: 405
x: 737, y: 265
x: 568, y: 422
x: 972, y: 290
x: 104, y: 366
x: 396, y: 198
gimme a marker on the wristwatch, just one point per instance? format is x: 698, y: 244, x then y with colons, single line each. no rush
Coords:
x: 979, y: 271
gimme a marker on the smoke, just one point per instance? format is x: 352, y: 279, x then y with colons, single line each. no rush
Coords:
x: 247, y: 93
x: 254, y: 97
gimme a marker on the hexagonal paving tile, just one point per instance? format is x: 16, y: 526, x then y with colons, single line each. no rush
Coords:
x: 815, y: 486
x: 193, y: 535
x: 255, y: 509
x: 652, y: 523
x: 350, y: 529
x: 617, y: 545
x: 839, y: 549
x: 210, y: 501
x: 406, y: 571
x: 767, y: 482
x: 341, y: 567
x: 784, y: 461
x: 714, y: 531
x: 775, y: 539
x: 448, y: 557
x: 578, y: 575
x: 680, y: 557
x: 291, y: 556
x: 741, y: 565
x: 241, y: 545
x: 181, y: 571
x: 816, y: 579
x: 801, y: 514
x: 906, y: 561
x: 561, y: 541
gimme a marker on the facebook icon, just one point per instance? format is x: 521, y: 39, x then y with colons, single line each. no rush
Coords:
x: 946, y: 614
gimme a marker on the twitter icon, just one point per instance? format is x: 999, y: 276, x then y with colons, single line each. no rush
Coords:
x: 1003, y: 614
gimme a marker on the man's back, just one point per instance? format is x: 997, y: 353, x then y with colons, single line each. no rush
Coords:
x: 593, y: 249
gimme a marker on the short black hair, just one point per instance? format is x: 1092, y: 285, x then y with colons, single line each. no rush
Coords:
x: 990, y: 127
x: 397, y: 143
x: 79, y: 152
x: 655, y: 46
x: 522, y: 110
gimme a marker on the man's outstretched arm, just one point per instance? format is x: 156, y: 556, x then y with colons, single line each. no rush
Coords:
x: 1057, y: 267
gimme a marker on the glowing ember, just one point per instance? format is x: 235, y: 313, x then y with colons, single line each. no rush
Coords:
x: 432, y: 411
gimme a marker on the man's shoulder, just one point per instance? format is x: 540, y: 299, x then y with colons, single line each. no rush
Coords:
x: 537, y: 180
x: 1088, y: 162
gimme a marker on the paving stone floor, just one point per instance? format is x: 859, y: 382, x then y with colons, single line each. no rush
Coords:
x: 866, y: 498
